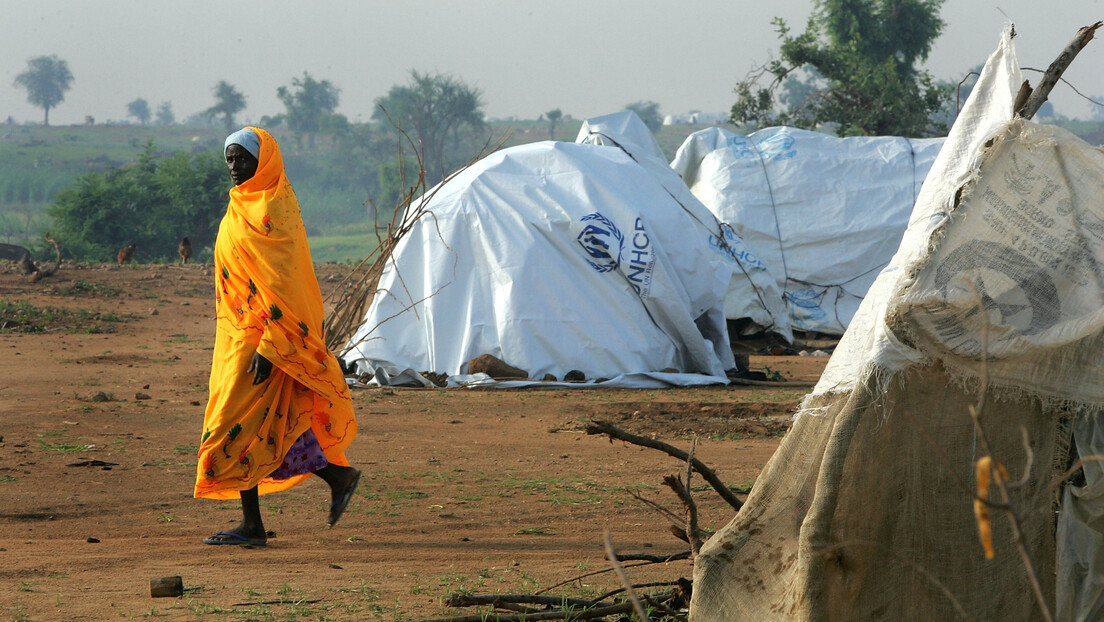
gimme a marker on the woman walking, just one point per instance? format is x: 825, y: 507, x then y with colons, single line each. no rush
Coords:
x: 279, y: 409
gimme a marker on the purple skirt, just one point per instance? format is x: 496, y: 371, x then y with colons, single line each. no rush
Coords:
x: 304, y: 457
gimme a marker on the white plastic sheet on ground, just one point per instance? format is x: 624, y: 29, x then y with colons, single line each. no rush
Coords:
x: 753, y: 292
x: 824, y: 214
x: 641, y: 380
x: 552, y: 257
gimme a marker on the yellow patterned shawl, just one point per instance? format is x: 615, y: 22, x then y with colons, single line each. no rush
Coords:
x: 267, y: 300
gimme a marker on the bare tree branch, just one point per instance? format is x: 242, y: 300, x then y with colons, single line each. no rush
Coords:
x: 1056, y: 69
x: 604, y: 427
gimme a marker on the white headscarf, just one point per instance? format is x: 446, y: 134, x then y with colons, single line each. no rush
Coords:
x: 246, y: 138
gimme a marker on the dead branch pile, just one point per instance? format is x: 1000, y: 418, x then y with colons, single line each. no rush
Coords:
x: 671, y: 603
x: 352, y: 297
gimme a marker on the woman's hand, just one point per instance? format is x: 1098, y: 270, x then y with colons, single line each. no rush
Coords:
x: 261, y: 368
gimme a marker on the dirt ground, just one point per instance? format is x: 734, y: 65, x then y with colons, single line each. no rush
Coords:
x: 485, y: 491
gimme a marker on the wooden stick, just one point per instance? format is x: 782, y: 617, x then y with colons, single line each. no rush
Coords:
x: 586, y: 614
x: 1001, y: 483
x: 477, y: 600
x: 659, y: 509
x: 1056, y: 69
x: 691, y: 512
x: 604, y: 427
x: 637, y: 585
x: 612, y: 555
x: 597, y: 572
x: 659, y: 559
x: 795, y: 384
x: 692, y: 530
x: 277, y: 601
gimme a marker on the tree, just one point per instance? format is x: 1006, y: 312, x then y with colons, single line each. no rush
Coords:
x: 228, y: 102
x: 553, y: 117
x: 862, y: 56
x: 46, y: 79
x: 648, y: 111
x: 439, y: 112
x: 152, y: 203
x: 310, y: 103
x: 165, y: 114
x: 139, y: 109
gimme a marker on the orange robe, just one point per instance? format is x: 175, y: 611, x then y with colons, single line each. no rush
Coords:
x: 267, y: 300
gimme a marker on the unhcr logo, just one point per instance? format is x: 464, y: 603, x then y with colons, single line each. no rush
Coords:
x: 777, y: 147
x: 732, y: 248
x: 641, y: 264
x: 607, y: 249
x: 602, y: 242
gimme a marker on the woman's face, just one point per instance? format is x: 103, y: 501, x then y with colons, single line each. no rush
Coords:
x: 242, y: 164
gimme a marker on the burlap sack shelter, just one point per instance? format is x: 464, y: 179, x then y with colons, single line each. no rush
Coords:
x: 996, y: 296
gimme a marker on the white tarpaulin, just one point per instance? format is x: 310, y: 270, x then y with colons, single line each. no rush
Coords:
x: 753, y: 293
x: 552, y: 257
x: 824, y: 214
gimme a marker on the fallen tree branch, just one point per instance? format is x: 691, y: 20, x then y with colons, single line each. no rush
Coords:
x: 601, y: 571
x: 658, y: 559
x: 586, y: 614
x: 635, y: 585
x: 604, y: 427
x: 796, y: 384
x: 278, y: 602
x: 478, y: 600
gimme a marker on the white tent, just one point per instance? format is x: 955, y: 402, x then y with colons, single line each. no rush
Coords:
x: 753, y: 293
x: 824, y: 214
x: 552, y: 257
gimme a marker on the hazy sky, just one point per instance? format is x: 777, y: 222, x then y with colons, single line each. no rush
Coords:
x: 586, y: 57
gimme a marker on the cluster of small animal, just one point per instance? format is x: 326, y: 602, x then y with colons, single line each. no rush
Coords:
x: 127, y: 254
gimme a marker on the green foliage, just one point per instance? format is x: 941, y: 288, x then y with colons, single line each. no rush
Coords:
x: 395, y: 176
x: 335, y: 185
x: 310, y: 106
x: 228, y: 102
x: 443, y: 116
x: 46, y: 80
x: 860, y: 58
x: 139, y: 109
x: 153, y: 203
x: 648, y: 111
